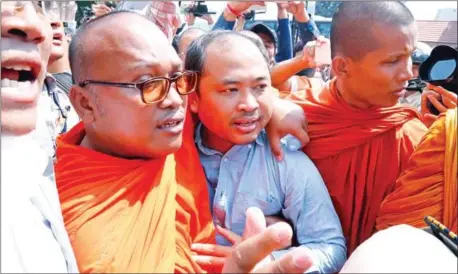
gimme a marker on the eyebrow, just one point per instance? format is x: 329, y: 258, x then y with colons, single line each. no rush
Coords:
x: 233, y: 82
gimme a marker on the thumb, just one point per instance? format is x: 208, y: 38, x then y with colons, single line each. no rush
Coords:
x: 255, y: 222
x: 275, y: 145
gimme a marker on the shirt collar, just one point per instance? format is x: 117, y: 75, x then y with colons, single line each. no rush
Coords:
x: 208, y: 151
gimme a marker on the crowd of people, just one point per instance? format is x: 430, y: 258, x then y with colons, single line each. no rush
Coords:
x: 140, y: 143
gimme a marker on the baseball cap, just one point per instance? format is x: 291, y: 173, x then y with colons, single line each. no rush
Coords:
x: 262, y: 28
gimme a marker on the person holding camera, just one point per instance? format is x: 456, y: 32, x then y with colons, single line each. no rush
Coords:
x: 428, y: 186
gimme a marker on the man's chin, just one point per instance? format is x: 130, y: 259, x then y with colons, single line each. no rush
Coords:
x: 19, y: 122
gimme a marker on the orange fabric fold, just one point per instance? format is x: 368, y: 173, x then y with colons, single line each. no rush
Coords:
x: 131, y: 215
x: 359, y: 152
x: 428, y: 186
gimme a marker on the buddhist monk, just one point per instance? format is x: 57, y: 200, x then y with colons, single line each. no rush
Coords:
x: 360, y: 139
x: 133, y: 196
x: 428, y: 186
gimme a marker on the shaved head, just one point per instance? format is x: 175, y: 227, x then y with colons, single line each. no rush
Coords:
x: 90, y: 40
x: 187, y: 37
x: 354, y: 22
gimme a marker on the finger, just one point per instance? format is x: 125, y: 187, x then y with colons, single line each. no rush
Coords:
x: 429, y: 119
x: 448, y: 102
x: 439, y: 106
x: 255, y: 222
x: 209, y: 260
x: 275, y: 145
x: 302, y: 135
x: 442, y: 91
x: 232, y: 237
x: 248, y: 253
x: 297, y: 260
x: 211, y: 249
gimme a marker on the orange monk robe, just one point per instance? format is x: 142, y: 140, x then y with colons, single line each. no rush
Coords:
x: 132, y: 215
x: 429, y: 184
x: 359, y: 152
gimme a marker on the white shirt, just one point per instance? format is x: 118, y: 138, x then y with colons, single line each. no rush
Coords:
x: 33, y: 236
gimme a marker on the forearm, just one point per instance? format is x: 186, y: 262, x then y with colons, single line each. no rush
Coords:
x: 285, y: 48
x: 226, y: 21
x: 281, y: 72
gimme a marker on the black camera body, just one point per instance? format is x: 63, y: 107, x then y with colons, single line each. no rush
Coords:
x: 198, y: 10
x: 439, y: 69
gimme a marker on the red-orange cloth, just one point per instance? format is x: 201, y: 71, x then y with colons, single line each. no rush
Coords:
x: 428, y: 186
x: 132, y: 215
x: 359, y: 152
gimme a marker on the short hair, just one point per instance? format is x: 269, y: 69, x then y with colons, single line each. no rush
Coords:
x: 351, y: 28
x: 196, y: 54
x: 188, y: 31
x: 79, y: 44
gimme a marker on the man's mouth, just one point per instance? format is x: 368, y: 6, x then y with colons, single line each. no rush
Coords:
x: 57, y: 38
x: 170, y: 124
x: 17, y: 76
x: 246, y: 121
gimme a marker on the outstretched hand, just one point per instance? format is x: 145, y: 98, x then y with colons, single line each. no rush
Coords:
x: 287, y: 118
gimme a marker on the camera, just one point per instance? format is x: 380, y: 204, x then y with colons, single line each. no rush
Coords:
x: 440, y: 69
x: 198, y: 10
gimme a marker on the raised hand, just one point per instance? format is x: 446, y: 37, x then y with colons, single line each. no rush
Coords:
x: 440, y: 98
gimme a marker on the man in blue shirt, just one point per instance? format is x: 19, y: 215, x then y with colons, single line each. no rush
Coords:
x: 234, y: 103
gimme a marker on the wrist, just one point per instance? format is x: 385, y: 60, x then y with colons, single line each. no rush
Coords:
x: 228, y: 16
x: 234, y: 12
x: 302, y: 17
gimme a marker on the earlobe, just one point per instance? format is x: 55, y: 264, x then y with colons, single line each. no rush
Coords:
x: 194, y: 103
x: 82, y: 104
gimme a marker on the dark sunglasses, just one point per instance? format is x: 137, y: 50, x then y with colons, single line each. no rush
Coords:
x: 156, y: 89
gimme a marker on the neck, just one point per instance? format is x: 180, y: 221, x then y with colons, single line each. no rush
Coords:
x: 349, y: 97
x: 59, y: 65
x: 214, y: 142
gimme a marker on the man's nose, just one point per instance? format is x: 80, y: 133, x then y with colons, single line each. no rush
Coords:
x: 22, y: 22
x: 173, y: 99
x: 56, y: 24
x: 248, y: 102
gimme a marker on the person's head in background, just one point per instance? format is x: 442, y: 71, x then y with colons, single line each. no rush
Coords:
x: 185, y: 39
x: 58, y: 61
x: 26, y: 47
x: 233, y: 102
x: 268, y: 37
x: 420, y: 54
x: 371, y: 47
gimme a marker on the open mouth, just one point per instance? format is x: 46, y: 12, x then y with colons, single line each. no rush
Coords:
x: 246, y: 122
x: 57, y: 37
x: 17, y: 75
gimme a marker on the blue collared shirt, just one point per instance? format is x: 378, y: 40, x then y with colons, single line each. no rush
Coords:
x: 250, y: 176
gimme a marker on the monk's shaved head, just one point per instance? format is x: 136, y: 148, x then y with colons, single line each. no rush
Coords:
x: 88, y: 42
x: 354, y: 22
x: 187, y: 37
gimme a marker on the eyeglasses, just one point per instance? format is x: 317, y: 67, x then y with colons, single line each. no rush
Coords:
x: 156, y: 89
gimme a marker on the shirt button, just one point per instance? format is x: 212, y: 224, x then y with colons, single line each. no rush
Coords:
x: 249, y: 146
x: 225, y: 160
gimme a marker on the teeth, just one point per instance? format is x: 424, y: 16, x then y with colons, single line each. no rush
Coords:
x: 19, y: 68
x: 7, y: 83
x: 171, y: 124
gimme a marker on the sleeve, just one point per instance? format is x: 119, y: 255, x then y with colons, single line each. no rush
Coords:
x: 223, y: 24
x: 308, y: 31
x: 309, y: 208
x: 285, y: 48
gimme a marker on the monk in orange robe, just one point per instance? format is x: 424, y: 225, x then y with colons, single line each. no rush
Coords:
x: 428, y: 186
x: 360, y: 139
x: 132, y: 191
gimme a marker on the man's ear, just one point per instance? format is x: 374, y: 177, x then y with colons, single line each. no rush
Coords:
x: 83, y: 103
x: 340, y: 66
x: 194, y: 102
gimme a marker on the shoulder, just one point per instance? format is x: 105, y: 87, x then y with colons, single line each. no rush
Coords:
x: 414, y: 130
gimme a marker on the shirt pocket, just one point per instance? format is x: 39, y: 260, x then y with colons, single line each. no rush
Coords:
x: 268, y: 205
